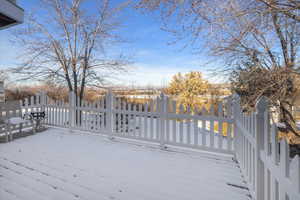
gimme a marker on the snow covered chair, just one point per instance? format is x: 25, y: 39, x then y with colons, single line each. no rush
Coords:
x: 11, y: 117
x: 3, y: 128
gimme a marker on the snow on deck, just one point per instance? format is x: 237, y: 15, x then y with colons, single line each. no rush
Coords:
x: 59, y: 165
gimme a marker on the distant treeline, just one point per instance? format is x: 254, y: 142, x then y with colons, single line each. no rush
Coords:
x: 57, y: 92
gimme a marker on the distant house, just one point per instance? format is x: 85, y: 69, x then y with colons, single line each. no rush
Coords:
x: 10, y: 14
x: 2, y: 92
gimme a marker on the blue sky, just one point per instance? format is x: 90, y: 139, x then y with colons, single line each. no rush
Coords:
x: 155, y: 61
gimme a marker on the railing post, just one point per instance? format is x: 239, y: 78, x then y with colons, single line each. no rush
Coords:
x: 72, y: 110
x: 109, y: 114
x: 229, y: 115
x: 261, y: 121
x: 235, y: 117
x: 162, y: 112
x: 42, y: 105
x: 43, y: 102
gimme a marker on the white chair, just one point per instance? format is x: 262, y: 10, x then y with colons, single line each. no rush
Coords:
x: 11, y: 116
x: 3, y: 127
x: 11, y: 122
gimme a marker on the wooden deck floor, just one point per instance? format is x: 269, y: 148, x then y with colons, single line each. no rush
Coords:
x: 59, y: 165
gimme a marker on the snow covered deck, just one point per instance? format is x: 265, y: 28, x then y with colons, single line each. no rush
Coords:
x: 59, y: 165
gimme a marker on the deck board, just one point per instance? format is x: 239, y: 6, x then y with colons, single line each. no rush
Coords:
x: 57, y: 164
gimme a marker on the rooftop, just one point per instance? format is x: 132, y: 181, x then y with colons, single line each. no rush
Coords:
x: 10, y: 13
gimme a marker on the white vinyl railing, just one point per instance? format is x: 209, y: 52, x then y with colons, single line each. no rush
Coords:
x: 264, y: 160
x: 160, y: 121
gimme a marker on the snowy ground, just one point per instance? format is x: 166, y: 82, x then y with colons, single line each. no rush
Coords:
x: 59, y: 165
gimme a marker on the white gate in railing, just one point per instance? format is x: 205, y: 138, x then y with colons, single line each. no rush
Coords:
x: 164, y: 121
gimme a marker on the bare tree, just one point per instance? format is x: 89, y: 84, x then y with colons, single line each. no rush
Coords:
x: 232, y: 30
x: 69, y: 44
x: 279, y: 85
x: 289, y: 8
x: 261, y: 35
